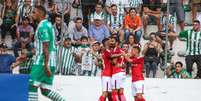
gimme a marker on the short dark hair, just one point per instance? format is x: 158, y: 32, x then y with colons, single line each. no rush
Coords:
x: 59, y: 16
x: 113, y: 5
x: 132, y: 9
x: 104, y: 40
x: 138, y: 48
x: 25, y: 18
x: 78, y: 18
x: 99, y: 4
x: 67, y: 39
x: 116, y: 39
x: 196, y: 21
x: 42, y: 9
x: 179, y: 62
x: 83, y: 37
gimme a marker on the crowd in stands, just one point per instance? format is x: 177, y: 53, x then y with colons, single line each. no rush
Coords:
x: 88, y: 24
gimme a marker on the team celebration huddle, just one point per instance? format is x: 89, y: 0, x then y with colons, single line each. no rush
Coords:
x: 113, y: 74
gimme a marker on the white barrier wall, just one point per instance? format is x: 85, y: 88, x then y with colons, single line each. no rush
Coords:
x: 82, y: 88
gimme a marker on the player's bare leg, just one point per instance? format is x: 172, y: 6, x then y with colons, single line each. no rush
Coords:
x: 121, y: 95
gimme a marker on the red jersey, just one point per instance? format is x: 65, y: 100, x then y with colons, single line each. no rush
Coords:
x: 137, y: 68
x: 107, y: 69
x: 120, y: 60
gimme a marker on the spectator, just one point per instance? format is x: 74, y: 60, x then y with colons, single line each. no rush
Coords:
x: 24, y: 34
x: 131, y: 42
x: 122, y: 5
x: 24, y: 10
x: 176, y: 6
x: 77, y: 31
x: 193, y: 49
x: 137, y: 4
x: 58, y: 8
x: 6, y: 59
x: 151, y: 55
x: 57, y: 27
x: 162, y: 58
x: 152, y: 10
x: 76, y: 9
x: 87, y: 8
x: 96, y: 59
x: 195, y: 4
x: 98, y: 31
x: 8, y: 16
x: 85, y: 59
x: 177, y: 71
x: 51, y: 11
x: 133, y: 25
x: 66, y: 58
x: 98, y: 13
x: 115, y: 23
x: 171, y: 28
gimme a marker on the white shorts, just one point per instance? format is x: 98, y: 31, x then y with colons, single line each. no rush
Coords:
x: 118, y: 80
x: 106, y: 83
x: 137, y: 87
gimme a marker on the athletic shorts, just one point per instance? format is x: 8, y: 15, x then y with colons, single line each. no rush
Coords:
x: 39, y: 78
x: 118, y: 80
x: 106, y: 83
x: 137, y: 87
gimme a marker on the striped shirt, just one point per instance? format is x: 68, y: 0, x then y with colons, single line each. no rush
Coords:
x: 193, y: 45
x: 95, y: 15
x: 115, y: 21
x: 45, y: 33
x: 65, y: 59
x: 121, y: 4
x: 135, y: 3
x: 172, y: 21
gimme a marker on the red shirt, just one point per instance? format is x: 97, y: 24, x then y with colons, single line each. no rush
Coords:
x: 107, y: 69
x: 137, y: 68
x: 120, y: 60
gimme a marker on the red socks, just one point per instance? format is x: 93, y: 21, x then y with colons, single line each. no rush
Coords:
x: 122, y: 97
x: 101, y: 98
x: 114, y: 96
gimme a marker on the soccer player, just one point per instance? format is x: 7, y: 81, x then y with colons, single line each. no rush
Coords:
x: 42, y: 73
x: 137, y: 75
x: 118, y: 72
x: 106, y: 73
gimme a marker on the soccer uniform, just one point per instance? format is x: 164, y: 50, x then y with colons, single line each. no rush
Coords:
x: 118, y: 73
x: 106, y: 73
x: 38, y: 77
x: 137, y: 76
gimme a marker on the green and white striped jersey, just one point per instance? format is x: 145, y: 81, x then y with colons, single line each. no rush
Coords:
x: 193, y: 44
x: 45, y: 33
